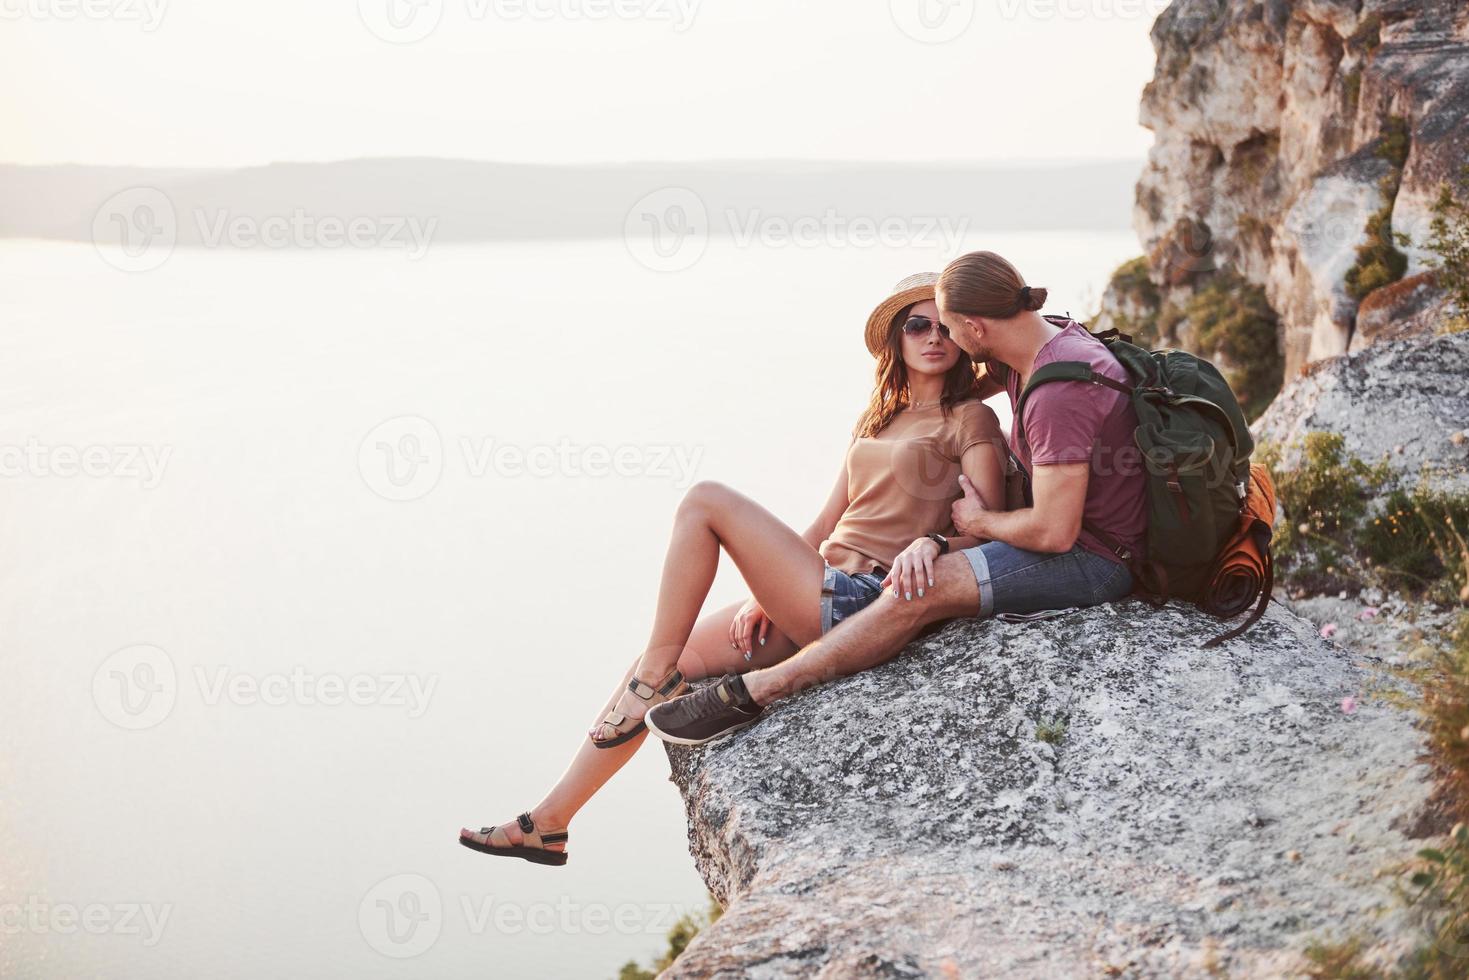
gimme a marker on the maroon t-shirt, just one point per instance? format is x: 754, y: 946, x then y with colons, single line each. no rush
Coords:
x: 1075, y: 422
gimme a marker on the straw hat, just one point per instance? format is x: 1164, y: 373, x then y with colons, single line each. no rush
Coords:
x: 913, y: 289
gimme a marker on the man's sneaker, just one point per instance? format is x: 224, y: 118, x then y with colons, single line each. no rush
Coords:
x: 706, y: 714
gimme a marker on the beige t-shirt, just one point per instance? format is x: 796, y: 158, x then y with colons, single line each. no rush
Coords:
x: 902, y: 482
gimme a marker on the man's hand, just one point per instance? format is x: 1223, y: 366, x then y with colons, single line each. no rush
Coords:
x: 969, y: 510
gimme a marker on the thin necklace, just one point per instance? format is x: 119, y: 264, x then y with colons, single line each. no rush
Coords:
x: 924, y: 404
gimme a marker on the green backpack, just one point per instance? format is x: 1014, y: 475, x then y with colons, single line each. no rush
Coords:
x: 1195, y: 446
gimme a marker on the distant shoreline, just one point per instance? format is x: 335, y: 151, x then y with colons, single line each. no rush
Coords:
x: 469, y: 201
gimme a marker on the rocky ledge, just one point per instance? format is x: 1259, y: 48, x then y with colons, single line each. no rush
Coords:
x: 1093, y: 795
x: 1406, y: 401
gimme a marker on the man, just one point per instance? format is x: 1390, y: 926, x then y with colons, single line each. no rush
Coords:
x: 1070, y: 548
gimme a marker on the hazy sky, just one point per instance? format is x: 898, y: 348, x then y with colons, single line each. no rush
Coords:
x: 212, y: 82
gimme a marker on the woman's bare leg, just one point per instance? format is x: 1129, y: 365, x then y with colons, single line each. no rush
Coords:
x: 707, y: 654
x: 783, y: 572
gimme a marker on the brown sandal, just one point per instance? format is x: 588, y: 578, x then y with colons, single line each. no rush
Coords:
x: 532, y: 849
x: 670, y: 687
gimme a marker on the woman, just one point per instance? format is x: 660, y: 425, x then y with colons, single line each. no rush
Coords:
x: 923, y: 426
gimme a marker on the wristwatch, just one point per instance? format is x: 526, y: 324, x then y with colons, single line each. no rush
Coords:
x: 941, y: 541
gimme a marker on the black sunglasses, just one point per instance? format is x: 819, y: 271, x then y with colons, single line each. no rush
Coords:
x: 918, y: 326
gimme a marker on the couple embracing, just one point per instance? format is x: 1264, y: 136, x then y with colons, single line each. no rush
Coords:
x: 915, y: 531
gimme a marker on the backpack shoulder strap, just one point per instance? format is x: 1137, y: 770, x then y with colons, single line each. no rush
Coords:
x: 1064, y: 371
x: 1074, y: 371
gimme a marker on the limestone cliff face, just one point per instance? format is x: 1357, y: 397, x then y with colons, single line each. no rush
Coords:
x: 1198, y: 810
x: 1276, y: 122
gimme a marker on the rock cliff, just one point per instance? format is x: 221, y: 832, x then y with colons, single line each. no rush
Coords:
x: 1283, y: 126
x: 1086, y: 796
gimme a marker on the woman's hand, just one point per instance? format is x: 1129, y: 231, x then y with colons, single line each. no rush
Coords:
x: 913, y: 569
x: 749, y: 625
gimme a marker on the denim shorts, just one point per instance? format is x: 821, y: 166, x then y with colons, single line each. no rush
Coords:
x: 844, y: 595
x: 1012, y: 580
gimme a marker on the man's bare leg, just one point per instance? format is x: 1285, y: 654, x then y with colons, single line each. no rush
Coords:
x: 873, y: 636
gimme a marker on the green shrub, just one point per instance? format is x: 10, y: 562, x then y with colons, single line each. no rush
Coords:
x: 1368, y: 34
x: 1052, y: 730
x: 1397, y: 140
x: 1449, y: 240
x: 1414, y: 541
x: 1133, y: 287
x: 1379, y: 262
x: 1325, y: 498
x: 1353, y: 85
x: 1234, y: 322
x: 1338, y: 961
x: 679, y: 937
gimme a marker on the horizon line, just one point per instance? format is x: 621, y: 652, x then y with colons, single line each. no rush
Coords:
x: 986, y: 164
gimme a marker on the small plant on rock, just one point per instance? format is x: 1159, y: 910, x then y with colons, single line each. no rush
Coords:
x: 1051, y: 730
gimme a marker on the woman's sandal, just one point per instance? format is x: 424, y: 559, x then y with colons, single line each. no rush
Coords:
x: 532, y: 849
x: 670, y: 687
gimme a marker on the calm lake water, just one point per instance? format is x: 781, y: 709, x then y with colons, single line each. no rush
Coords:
x: 313, y: 557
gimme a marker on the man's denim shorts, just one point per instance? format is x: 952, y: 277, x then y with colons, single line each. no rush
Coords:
x: 1012, y: 580
x: 844, y: 595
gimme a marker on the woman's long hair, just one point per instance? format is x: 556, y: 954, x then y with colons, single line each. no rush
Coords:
x: 890, y: 393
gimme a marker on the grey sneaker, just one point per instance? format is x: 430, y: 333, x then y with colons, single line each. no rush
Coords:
x: 706, y: 714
